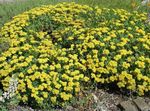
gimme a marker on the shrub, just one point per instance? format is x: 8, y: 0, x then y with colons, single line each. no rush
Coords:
x: 55, y: 48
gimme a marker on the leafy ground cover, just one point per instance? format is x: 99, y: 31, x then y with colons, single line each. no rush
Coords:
x: 8, y: 10
x: 55, y: 50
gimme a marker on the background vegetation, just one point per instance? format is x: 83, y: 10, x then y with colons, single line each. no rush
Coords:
x: 8, y: 10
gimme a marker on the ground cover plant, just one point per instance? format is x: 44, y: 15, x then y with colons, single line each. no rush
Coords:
x: 54, y: 50
x: 10, y: 9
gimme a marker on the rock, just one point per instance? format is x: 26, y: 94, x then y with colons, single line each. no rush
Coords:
x: 144, y: 2
x: 128, y: 106
x: 69, y: 108
x: 2, y: 99
x: 141, y: 104
x: 101, y: 107
x: 149, y: 103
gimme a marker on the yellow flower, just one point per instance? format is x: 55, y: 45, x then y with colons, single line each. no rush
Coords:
x: 45, y: 94
x: 86, y: 79
x: 76, y: 77
x: 77, y: 89
x: 120, y: 84
x: 34, y: 67
x: 34, y: 94
x: 129, y: 77
x: 68, y: 88
x: 140, y: 31
x: 138, y: 71
x: 42, y: 60
x: 40, y: 87
x: 41, y: 35
x: 64, y: 83
x: 106, y: 51
x: 130, y: 35
x: 112, y: 78
x: 113, y: 35
x: 139, y: 76
x: 145, y: 78
x: 141, y: 89
x: 70, y: 83
x: 90, y: 45
x: 123, y: 52
x: 102, y: 44
x: 49, y: 88
x: 126, y: 65
x: 21, y: 75
x: 52, y: 67
x: 117, y: 57
x: 58, y: 86
x: 95, y: 51
x: 24, y: 98
x: 65, y: 96
x: 140, y: 64
x: 58, y: 66
x: 113, y: 63
x: 113, y: 47
x: 53, y: 99
x: 55, y: 91
x: 103, y: 58
x: 132, y: 87
x: 132, y: 22
x: 65, y: 76
x: 29, y: 71
x: 98, y: 80
x: 40, y: 100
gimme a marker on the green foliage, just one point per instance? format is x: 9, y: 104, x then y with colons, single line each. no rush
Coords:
x: 4, y: 105
x: 4, y: 44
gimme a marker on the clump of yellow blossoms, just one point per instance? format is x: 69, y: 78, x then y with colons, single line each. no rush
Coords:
x: 55, y: 48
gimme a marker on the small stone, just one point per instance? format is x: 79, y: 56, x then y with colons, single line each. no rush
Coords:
x: 141, y: 104
x: 128, y: 106
x: 1, y: 99
x: 69, y: 108
x: 101, y: 106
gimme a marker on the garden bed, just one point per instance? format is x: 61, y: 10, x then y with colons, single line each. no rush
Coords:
x: 54, y: 51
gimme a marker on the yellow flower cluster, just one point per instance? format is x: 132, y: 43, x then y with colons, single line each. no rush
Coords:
x: 55, y: 48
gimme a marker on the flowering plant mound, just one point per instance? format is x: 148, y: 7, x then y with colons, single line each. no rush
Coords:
x: 55, y: 48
